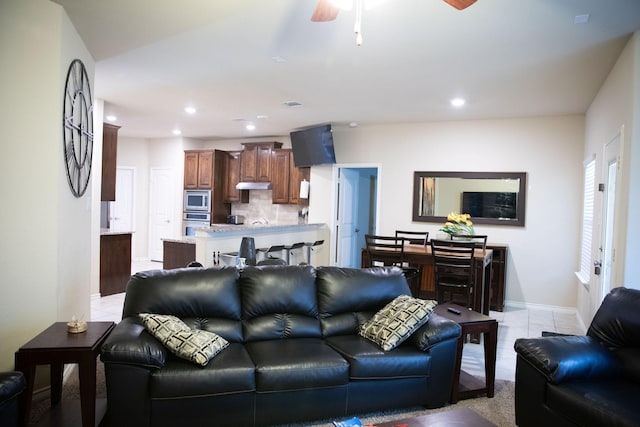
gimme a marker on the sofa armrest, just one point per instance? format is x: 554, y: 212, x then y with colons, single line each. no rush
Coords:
x: 565, y: 358
x: 436, y: 330
x: 130, y: 343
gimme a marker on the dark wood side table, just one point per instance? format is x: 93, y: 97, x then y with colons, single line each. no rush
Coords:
x: 55, y: 347
x: 473, y: 323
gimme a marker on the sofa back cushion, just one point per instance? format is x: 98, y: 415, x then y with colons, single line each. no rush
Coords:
x: 617, y: 323
x: 348, y: 297
x: 207, y: 299
x: 279, y: 302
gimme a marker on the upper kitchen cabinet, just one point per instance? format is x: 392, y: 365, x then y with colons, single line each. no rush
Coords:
x: 232, y: 178
x: 286, y: 178
x: 256, y: 161
x: 198, y: 170
x: 280, y: 163
x: 295, y: 178
x: 109, y: 161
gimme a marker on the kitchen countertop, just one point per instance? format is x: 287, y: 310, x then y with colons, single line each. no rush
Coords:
x: 222, y: 228
x: 110, y: 232
x: 238, y: 229
x: 183, y: 239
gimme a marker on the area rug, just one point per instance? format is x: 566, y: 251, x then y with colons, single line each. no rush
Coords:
x: 500, y: 409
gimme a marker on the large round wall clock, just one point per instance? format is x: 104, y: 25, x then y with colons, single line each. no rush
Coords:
x: 77, y: 128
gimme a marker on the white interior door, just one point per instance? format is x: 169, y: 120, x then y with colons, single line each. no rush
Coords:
x: 347, y: 214
x: 161, y: 207
x: 611, y: 170
x: 121, y: 217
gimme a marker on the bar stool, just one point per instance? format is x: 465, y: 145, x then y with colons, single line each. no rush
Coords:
x: 275, y: 248
x: 291, y: 248
x: 309, y: 246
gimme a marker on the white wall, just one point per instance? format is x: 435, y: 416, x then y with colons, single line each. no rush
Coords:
x: 616, y: 107
x: 543, y: 255
x: 46, y: 233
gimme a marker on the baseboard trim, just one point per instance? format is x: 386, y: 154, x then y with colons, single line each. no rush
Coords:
x: 542, y: 307
x: 45, y: 392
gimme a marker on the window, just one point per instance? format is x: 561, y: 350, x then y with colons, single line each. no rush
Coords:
x: 587, y: 221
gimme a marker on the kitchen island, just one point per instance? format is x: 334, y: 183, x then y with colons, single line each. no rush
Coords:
x: 115, y: 261
x: 225, y: 238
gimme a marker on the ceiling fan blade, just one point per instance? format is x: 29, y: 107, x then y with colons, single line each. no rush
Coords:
x: 460, y: 4
x: 324, y: 11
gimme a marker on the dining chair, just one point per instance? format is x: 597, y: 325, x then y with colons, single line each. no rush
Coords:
x: 414, y: 237
x: 388, y: 251
x: 480, y: 240
x: 453, y: 270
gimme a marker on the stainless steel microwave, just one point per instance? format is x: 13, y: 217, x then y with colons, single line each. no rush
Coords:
x: 197, y: 200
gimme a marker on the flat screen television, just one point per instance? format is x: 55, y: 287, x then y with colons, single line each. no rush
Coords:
x: 486, y: 204
x: 312, y: 146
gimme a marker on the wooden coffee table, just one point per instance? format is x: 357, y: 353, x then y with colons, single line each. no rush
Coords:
x: 55, y: 347
x: 471, y: 322
x: 456, y: 417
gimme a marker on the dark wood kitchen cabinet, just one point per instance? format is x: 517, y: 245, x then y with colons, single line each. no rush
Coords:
x: 232, y: 178
x: 281, y: 164
x: 286, y: 177
x: 204, y: 170
x: 109, y: 161
x: 198, y: 170
x: 115, y: 262
x: 255, y: 165
x: 177, y: 254
x: 295, y: 177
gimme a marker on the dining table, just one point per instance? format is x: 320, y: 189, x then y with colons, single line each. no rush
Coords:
x: 421, y: 257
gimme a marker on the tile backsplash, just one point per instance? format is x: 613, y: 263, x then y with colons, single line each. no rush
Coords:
x: 261, y: 208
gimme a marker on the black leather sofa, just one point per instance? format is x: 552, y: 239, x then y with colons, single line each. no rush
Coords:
x: 591, y: 380
x: 294, y: 352
x: 12, y: 384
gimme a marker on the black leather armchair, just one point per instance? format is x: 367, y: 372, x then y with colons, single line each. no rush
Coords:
x: 591, y: 380
x: 11, y: 385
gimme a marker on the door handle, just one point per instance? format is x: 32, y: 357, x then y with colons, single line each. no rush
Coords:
x: 597, y: 266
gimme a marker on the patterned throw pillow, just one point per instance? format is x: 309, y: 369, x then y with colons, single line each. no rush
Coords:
x: 397, y: 321
x: 194, y: 345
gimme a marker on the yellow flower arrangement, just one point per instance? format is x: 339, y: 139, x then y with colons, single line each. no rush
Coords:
x: 458, y: 224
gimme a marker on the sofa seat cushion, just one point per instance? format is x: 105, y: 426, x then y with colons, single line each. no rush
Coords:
x: 590, y: 403
x: 367, y: 361
x: 295, y: 364
x: 232, y: 371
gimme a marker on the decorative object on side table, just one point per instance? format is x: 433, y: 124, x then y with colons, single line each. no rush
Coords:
x: 76, y: 326
x: 458, y: 224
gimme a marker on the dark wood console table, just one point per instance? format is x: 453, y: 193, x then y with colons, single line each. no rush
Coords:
x: 55, y: 347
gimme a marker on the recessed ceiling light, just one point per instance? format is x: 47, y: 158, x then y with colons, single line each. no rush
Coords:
x: 250, y: 126
x: 458, y: 102
x: 353, y: 124
x: 581, y: 19
x: 111, y: 118
x: 190, y: 110
x: 262, y: 117
x: 177, y: 132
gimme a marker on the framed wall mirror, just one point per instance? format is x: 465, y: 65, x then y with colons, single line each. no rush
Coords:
x: 489, y: 197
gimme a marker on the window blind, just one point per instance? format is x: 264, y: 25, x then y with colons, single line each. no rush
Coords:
x: 587, y: 222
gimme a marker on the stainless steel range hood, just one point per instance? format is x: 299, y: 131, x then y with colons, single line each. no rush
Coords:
x: 254, y: 186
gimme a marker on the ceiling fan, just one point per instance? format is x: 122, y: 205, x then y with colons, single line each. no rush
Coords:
x: 326, y: 10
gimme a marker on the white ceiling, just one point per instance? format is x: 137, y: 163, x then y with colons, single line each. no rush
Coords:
x: 508, y: 58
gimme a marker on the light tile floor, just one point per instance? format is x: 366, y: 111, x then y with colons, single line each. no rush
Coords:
x: 513, y: 323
